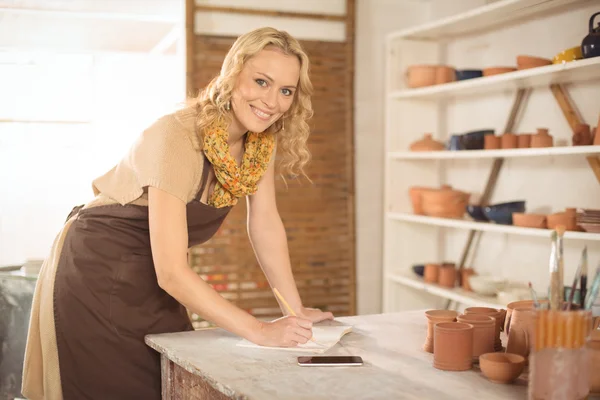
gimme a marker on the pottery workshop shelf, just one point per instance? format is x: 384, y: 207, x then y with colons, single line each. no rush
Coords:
x: 457, y: 294
x: 506, y: 153
x: 487, y: 227
x: 575, y: 71
x: 501, y: 12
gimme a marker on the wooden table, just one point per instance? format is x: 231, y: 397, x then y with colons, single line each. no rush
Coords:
x: 207, y: 364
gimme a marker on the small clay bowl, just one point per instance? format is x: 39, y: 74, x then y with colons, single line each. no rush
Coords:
x: 530, y: 220
x: 501, y: 367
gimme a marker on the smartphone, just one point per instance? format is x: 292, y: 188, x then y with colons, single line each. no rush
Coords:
x: 330, y: 361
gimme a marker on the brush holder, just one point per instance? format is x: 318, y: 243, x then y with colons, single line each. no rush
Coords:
x: 559, y: 363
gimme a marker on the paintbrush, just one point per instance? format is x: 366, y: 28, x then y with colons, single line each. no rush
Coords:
x: 536, y: 304
x: 555, y: 295
x: 591, y: 298
x: 583, y: 278
x: 560, y: 231
x: 574, y: 287
x: 291, y: 311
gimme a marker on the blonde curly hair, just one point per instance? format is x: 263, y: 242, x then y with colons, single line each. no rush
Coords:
x: 213, y: 101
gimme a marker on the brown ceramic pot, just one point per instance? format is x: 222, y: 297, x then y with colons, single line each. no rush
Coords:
x: 431, y: 273
x: 491, y: 142
x: 509, y: 141
x: 497, y: 70
x: 498, y: 315
x: 421, y: 75
x: 415, y: 198
x: 524, y: 140
x: 520, y: 331
x: 445, y: 74
x: 465, y: 274
x: 526, y: 62
x: 582, y: 135
x: 529, y: 220
x: 453, y: 349
x: 444, y: 202
x: 484, y: 329
x: 433, y: 317
x: 427, y: 143
x: 447, y: 276
x: 542, y: 139
x: 501, y: 367
x: 517, y: 304
x: 566, y: 218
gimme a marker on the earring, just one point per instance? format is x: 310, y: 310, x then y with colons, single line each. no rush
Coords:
x: 283, y: 124
x: 228, y: 105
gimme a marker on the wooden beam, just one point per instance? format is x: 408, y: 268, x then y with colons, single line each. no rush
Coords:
x: 566, y: 105
x: 190, y: 50
x: 349, y: 99
x: 594, y: 162
x: 272, y: 13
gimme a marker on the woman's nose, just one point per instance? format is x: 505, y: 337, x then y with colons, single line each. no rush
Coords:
x: 270, y: 98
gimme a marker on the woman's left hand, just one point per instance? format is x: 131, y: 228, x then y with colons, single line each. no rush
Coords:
x: 314, y: 314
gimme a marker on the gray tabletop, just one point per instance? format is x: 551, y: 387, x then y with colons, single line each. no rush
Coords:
x: 395, y: 366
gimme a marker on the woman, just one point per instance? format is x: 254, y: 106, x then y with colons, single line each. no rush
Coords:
x: 118, y: 269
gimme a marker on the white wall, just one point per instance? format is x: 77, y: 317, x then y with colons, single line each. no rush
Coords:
x: 374, y: 19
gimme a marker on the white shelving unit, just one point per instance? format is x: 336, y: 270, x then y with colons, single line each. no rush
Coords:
x: 412, y: 112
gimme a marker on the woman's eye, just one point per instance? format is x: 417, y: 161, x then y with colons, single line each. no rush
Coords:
x: 261, y: 82
x: 286, y: 92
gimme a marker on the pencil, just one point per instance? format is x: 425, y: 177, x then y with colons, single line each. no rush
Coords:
x: 289, y: 309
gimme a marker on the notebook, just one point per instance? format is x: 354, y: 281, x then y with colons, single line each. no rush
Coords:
x: 326, y: 336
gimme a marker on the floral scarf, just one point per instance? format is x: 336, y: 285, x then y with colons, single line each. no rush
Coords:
x: 235, y: 181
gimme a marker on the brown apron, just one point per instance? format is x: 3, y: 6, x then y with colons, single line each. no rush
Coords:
x: 106, y: 299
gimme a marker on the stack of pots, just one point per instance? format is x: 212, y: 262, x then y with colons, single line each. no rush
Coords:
x: 434, y: 317
x: 443, y: 274
x: 484, y: 333
x: 498, y: 315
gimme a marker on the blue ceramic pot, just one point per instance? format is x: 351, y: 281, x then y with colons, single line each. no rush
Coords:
x: 464, y: 74
x: 502, y: 213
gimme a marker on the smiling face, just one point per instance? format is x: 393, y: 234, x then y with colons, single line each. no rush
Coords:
x: 264, y: 90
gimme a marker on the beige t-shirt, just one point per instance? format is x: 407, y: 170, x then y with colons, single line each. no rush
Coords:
x: 165, y: 156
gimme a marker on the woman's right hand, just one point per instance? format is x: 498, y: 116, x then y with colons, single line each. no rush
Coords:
x: 284, y: 332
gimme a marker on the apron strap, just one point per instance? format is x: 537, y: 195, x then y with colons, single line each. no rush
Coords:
x: 204, y: 179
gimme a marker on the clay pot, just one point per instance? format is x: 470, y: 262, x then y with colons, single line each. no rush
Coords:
x: 453, y: 346
x: 444, y: 202
x: 433, y: 317
x: 520, y: 331
x: 444, y: 74
x: 582, y: 135
x: 427, y: 143
x: 465, y: 274
x: 501, y: 367
x: 491, y: 142
x: 566, y: 218
x: 514, y: 305
x: 594, y: 351
x: 542, y: 139
x: 509, y: 141
x: 525, y: 62
x: 484, y: 328
x: 431, y: 273
x: 415, y: 198
x: 447, y: 276
x: 597, y: 136
x: 497, y: 70
x: 524, y: 140
x: 498, y: 315
x: 529, y: 220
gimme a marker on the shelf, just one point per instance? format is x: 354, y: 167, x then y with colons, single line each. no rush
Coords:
x: 457, y: 294
x: 499, y: 13
x: 507, y: 153
x: 574, y: 71
x: 487, y: 227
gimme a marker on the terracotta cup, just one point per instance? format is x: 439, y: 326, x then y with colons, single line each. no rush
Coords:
x: 521, y: 331
x: 582, y: 135
x: 542, y: 139
x: 453, y: 349
x: 431, y: 273
x: 484, y: 329
x: 491, y: 142
x: 433, y: 317
x: 498, y: 315
x: 517, y: 304
x: 466, y: 273
x: 509, y: 141
x: 524, y: 140
x: 447, y: 277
